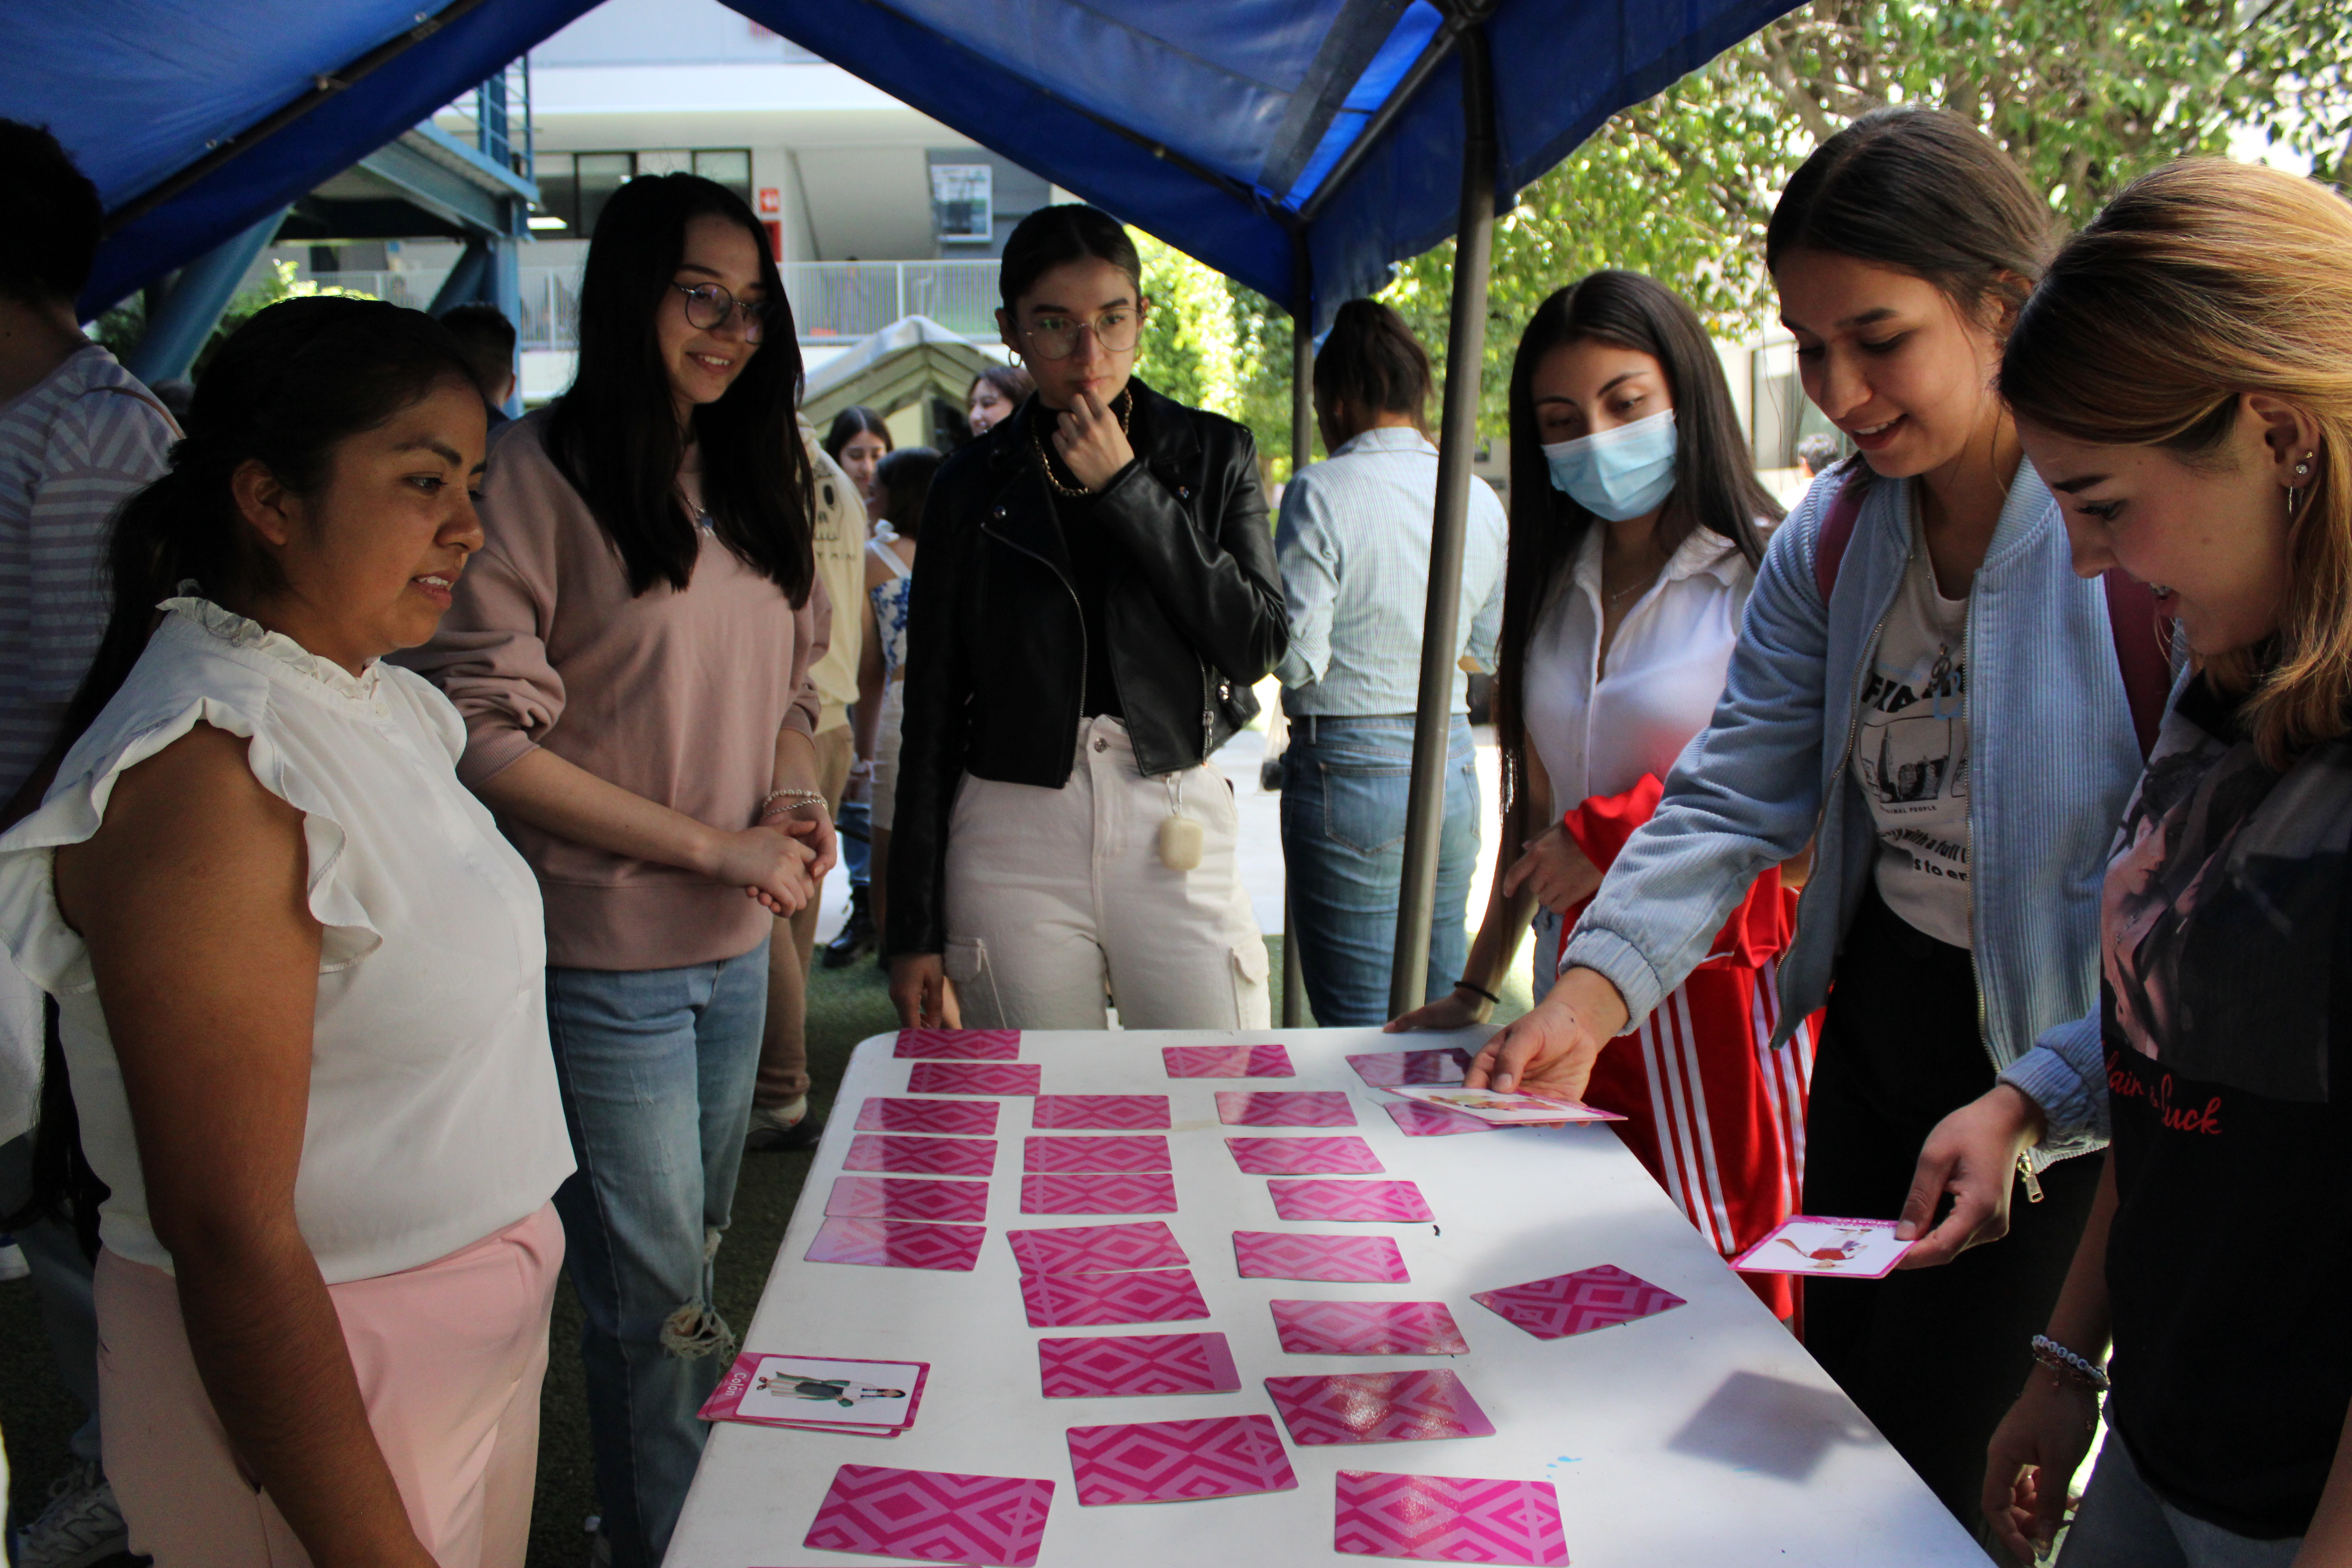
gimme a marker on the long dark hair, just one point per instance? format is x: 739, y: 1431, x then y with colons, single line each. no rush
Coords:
x: 1715, y: 478
x: 1372, y: 359
x: 615, y: 433
x: 285, y: 390
x: 903, y: 483
x: 849, y: 424
x: 1050, y: 237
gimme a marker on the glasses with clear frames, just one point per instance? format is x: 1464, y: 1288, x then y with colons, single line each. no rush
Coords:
x: 1056, y: 336
x: 710, y: 307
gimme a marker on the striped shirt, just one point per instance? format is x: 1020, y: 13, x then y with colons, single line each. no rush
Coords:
x: 1354, y: 548
x: 72, y: 450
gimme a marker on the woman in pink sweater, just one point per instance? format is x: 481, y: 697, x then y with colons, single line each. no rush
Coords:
x: 630, y: 652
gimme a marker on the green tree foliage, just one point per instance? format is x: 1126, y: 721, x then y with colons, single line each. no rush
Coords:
x: 120, y: 328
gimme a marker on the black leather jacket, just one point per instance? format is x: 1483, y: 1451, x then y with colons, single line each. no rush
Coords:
x: 996, y: 647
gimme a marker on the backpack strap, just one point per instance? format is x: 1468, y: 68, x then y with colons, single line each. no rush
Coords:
x: 1836, y: 533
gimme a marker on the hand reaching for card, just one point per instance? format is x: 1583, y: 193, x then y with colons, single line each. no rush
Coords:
x: 1090, y: 442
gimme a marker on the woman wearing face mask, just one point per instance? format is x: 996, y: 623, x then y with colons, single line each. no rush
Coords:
x: 1098, y: 595
x: 2179, y: 378
x: 995, y: 392
x: 1924, y: 690
x: 858, y: 441
x: 647, y: 535
x: 1636, y: 525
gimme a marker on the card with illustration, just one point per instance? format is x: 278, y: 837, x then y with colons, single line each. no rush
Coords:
x: 1179, y: 1461
x: 1386, y: 1069
x: 1106, y: 1112
x: 1142, y: 1192
x: 1376, y: 1408
x: 1503, y: 1109
x: 1449, y: 1519
x: 1287, y: 1255
x: 1110, y: 1366
x: 934, y: 1516
x: 958, y: 1045
x: 1577, y: 1303
x: 1849, y: 1248
x: 956, y: 1118
x: 1368, y: 1328
x: 911, y: 1197
x: 1415, y: 1120
x: 898, y: 1244
x: 1305, y: 1156
x: 1227, y: 1061
x: 1315, y: 1198
x: 920, y: 1156
x: 974, y: 1078
x: 1129, y: 1153
x: 1285, y: 1108
x: 830, y: 1392
x: 1086, y: 1301
x: 1097, y: 1248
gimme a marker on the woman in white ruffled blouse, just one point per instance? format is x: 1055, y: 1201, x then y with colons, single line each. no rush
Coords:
x: 298, y: 979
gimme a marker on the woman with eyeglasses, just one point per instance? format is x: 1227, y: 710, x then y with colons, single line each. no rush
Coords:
x: 630, y: 650
x: 1099, y: 595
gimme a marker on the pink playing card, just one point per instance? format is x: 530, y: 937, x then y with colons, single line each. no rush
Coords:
x: 1134, y: 1152
x: 960, y: 1118
x: 1227, y: 1061
x: 1097, y: 1248
x: 1284, y: 1108
x: 932, y: 1515
x: 974, y: 1077
x: 878, y: 1198
x: 1285, y: 1255
x: 1397, y: 1202
x: 1152, y: 1192
x: 1116, y: 1112
x: 897, y: 1244
x: 960, y: 1045
x: 1367, y: 1328
x: 1305, y: 1156
x: 1450, y: 1519
x: 1179, y: 1461
x: 1569, y: 1304
x: 1086, y: 1301
x: 921, y: 1156
x: 1124, y: 1365
x: 1415, y: 1120
x: 1386, y: 1069
x: 1376, y: 1408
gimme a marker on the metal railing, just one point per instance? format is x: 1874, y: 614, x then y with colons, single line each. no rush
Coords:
x: 495, y: 117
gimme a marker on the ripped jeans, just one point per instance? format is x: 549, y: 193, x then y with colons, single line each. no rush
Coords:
x: 656, y: 1069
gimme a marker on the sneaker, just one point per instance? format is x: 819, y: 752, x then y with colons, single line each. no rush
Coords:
x: 82, y: 1525
x: 775, y: 1132
x: 858, y: 934
x: 12, y: 1266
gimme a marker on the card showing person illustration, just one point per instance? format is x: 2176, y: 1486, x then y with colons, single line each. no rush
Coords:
x: 795, y: 1390
x: 1850, y: 1249
x: 1502, y: 1110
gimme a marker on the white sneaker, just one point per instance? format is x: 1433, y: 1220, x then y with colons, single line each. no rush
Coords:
x: 12, y: 1266
x: 82, y: 1526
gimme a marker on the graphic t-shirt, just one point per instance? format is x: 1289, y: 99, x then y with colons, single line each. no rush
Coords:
x: 1911, y: 754
x: 2226, y: 979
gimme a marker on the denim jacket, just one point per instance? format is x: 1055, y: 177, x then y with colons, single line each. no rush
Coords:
x: 2051, y: 760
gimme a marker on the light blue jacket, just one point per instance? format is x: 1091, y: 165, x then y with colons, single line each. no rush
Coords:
x: 2051, y: 760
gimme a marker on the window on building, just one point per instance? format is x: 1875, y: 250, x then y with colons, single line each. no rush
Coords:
x: 574, y: 186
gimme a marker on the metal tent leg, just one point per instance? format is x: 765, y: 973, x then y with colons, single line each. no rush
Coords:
x: 1302, y: 448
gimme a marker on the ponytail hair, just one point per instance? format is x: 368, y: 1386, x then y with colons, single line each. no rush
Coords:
x: 284, y: 391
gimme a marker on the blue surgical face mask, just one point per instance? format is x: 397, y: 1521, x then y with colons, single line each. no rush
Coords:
x: 1621, y: 473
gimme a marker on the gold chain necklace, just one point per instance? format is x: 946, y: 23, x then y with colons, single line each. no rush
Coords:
x: 1124, y: 407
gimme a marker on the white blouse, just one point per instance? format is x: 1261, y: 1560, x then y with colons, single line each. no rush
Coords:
x: 434, y: 1116
x: 1597, y: 735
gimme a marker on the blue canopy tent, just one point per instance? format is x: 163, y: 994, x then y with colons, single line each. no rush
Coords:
x: 1300, y: 146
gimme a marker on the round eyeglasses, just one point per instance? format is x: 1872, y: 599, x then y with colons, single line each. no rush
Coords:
x: 1056, y: 336
x: 709, y: 307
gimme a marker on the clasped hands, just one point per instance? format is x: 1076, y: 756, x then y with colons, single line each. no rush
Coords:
x: 1089, y: 441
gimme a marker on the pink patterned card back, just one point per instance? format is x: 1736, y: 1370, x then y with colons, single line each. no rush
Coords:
x: 957, y: 1118
x: 1150, y: 1191
x: 1415, y: 1120
x: 1227, y: 1061
x: 1449, y: 1519
x: 1386, y: 1069
x: 920, y: 1156
x: 1305, y: 1156
x: 1111, y: 1366
x: 1097, y: 1248
x: 898, y: 1244
x: 1132, y: 1152
x: 1179, y: 1461
x: 1398, y: 1203
x: 1376, y: 1408
x: 1086, y: 1301
x: 974, y: 1078
x: 1285, y: 1108
x: 958, y: 1045
x: 1367, y: 1328
x: 879, y: 1197
x: 1286, y: 1255
x: 933, y: 1515
x: 1113, y: 1112
x: 1577, y: 1303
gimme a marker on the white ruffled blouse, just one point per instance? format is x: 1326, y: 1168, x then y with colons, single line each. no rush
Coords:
x: 434, y: 1115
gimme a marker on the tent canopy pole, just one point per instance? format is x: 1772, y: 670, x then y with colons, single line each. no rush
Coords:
x: 1302, y: 449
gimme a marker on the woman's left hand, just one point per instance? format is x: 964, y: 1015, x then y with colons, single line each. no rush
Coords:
x: 813, y: 825
x: 1556, y: 870
x: 1089, y: 440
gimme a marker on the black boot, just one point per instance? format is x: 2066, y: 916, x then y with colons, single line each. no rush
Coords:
x: 857, y: 935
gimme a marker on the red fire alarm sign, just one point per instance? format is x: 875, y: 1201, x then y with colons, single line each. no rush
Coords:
x: 772, y: 200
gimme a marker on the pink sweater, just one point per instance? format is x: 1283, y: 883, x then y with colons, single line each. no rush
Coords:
x: 677, y: 696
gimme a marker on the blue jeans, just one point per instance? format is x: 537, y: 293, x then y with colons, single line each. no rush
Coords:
x: 2124, y: 1524
x: 657, y: 1067
x: 854, y: 828
x: 1344, y: 783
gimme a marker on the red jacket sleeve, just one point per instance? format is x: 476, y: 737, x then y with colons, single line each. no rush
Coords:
x: 1758, y: 931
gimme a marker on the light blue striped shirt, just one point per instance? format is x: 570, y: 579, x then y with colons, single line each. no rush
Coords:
x: 1354, y: 548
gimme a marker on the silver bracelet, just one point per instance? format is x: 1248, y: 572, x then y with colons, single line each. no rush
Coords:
x: 790, y: 800
x: 2068, y: 1365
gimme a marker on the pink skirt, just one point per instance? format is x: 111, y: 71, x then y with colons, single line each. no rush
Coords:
x: 449, y: 1357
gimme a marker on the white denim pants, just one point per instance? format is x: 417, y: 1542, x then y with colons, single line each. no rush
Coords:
x: 1058, y: 906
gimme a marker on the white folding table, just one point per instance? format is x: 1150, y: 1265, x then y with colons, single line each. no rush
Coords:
x: 1703, y: 1436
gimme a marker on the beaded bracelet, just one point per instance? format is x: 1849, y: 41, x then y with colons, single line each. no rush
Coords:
x: 2068, y: 1365
x: 790, y: 800
x: 1481, y: 990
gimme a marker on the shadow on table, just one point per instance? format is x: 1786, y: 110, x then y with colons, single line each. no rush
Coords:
x: 1757, y: 1423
